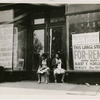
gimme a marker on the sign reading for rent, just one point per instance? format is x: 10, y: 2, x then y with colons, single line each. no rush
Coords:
x: 86, y: 56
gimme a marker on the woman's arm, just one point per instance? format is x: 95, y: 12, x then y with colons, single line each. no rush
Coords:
x: 40, y: 63
x: 54, y: 64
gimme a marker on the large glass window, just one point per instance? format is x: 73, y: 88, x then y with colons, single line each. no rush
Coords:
x: 57, y: 19
x: 19, y: 55
x: 38, y: 47
x: 82, y: 23
x: 38, y: 41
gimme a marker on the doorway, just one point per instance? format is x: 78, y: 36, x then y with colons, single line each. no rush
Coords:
x: 55, y: 40
x: 58, y: 43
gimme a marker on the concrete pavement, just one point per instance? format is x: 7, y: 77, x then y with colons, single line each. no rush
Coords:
x: 32, y: 90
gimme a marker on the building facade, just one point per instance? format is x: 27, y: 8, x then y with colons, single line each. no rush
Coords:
x: 47, y: 29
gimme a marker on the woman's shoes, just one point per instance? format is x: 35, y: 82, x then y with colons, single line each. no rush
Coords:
x: 39, y: 82
x: 62, y: 81
x: 55, y: 81
x: 46, y: 81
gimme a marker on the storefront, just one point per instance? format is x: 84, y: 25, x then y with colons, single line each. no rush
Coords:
x: 33, y: 30
x: 83, y: 40
x: 13, y: 37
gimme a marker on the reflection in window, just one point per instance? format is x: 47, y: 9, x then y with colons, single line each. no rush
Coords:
x: 20, y: 40
x: 38, y: 42
x: 57, y: 19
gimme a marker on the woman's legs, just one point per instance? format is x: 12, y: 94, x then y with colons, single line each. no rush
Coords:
x: 55, y: 76
x: 39, y: 78
x: 47, y: 77
x: 63, y: 76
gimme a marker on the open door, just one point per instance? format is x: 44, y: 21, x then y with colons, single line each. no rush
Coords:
x: 58, y: 43
x: 55, y: 40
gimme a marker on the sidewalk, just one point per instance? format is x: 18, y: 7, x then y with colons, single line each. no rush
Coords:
x: 30, y: 89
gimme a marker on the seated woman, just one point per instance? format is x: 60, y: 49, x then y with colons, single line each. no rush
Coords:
x: 43, y: 68
x: 57, y: 64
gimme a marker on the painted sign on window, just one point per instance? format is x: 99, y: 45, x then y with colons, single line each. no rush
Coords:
x: 6, y: 45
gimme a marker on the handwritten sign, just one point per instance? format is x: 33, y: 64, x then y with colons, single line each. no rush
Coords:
x: 6, y: 45
x: 85, y: 38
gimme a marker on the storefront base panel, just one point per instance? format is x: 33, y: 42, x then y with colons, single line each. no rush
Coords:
x: 83, y: 78
x: 14, y: 76
x: 70, y: 77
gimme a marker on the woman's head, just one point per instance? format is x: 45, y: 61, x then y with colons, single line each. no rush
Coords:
x: 57, y: 55
x: 44, y: 56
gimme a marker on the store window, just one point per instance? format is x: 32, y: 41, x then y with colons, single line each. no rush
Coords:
x: 57, y: 19
x: 19, y: 55
x: 38, y: 47
x: 82, y: 23
x: 38, y: 41
x: 6, y: 45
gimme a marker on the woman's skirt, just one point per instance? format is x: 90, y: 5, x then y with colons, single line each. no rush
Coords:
x: 59, y: 71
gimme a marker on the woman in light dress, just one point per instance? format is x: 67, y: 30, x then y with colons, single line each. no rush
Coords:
x: 57, y: 64
x: 43, y: 68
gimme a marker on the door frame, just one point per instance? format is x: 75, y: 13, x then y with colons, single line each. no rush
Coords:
x: 47, y: 37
